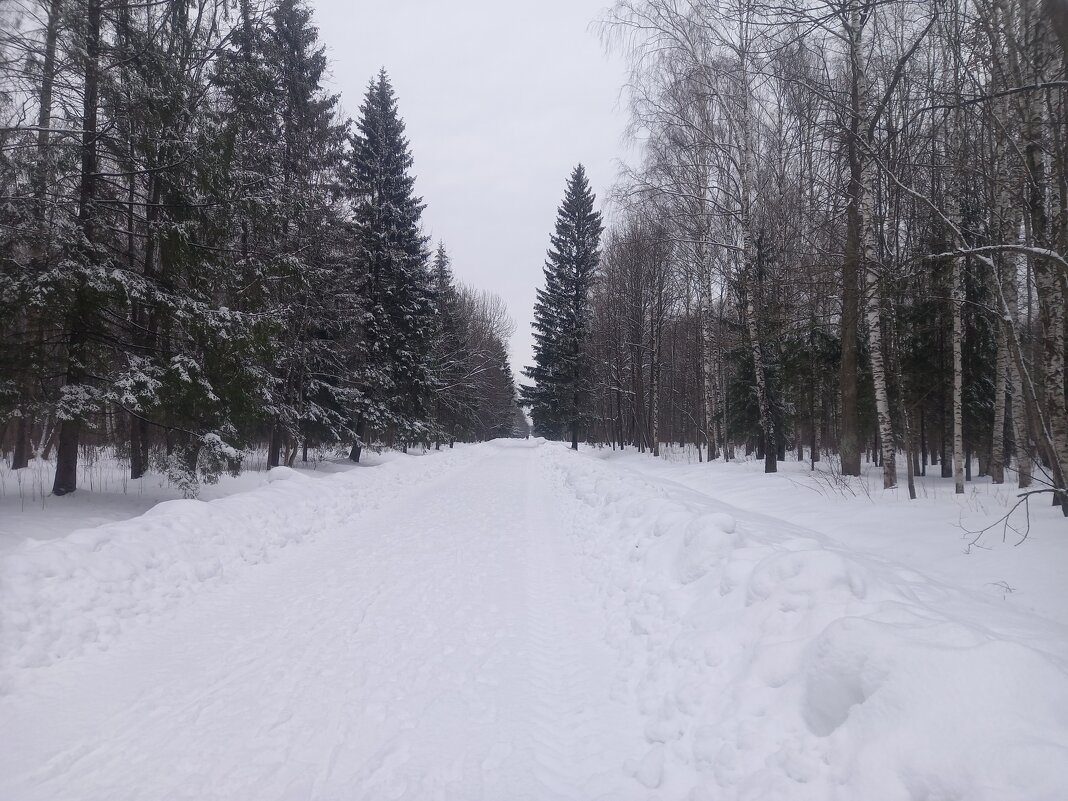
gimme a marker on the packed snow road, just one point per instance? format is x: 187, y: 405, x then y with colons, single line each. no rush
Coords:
x: 443, y: 646
x: 504, y: 622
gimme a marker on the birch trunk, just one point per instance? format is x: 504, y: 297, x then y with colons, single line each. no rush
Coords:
x: 750, y: 266
x: 1049, y: 287
x: 708, y: 354
x: 1051, y: 311
x: 656, y: 317
x: 906, y: 425
x: 887, y: 445
x: 958, y: 380
x: 766, y: 421
x: 1001, y: 378
x: 1019, y: 427
x: 1005, y: 226
x: 849, y: 443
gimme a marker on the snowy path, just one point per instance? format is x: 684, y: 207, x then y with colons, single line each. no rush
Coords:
x: 512, y: 621
x: 444, y: 646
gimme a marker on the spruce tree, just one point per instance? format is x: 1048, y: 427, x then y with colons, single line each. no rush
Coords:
x: 452, y: 392
x: 196, y: 257
x: 307, y: 396
x: 393, y: 283
x: 559, y: 397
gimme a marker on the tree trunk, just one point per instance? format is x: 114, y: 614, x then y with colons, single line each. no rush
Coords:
x: 751, y: 273
x: 923, y: 442
x: 40, y: 172
x: 1001, y: 372
x: 274, y: 449
x: 958, y: 379
x: 1051, y: 311
x: 878, y: 372
x: 138, y: 447
x: 20, y: 456
x: 1020, y: 426
x: 655, y: 330
x: 1057, y: 10
x: 66, y: 479
x: 767, y: 423
x: 357, y: 445
x: 1049, y: 285
x: 910, y: 450
x: 708, y: 357
x: 945, y: 434
x: 849, y: 441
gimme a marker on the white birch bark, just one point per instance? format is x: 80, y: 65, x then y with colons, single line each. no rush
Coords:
x: 708, y: 352
x: 1001, y: 372
x: 887, y: 443
x: 958, y: 379
x: 746, y: 173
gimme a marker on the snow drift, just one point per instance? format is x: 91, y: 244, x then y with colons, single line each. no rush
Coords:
x: 770, y: 664
x: 59, y: 597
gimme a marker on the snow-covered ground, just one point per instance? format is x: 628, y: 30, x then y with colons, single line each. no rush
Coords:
x: 28, y: 510
x: 516, y: 621
x: 938, y: 533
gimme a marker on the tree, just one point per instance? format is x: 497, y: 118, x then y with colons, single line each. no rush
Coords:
x: 308, y: 396
x: 867, y: 202
x: 196, y: 258
x: 560, y: 396
x: 451, y: 358
x: 392, y: 368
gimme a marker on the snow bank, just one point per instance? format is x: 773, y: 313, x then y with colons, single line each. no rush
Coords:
x: 59, y: 597
x: 770, y: 663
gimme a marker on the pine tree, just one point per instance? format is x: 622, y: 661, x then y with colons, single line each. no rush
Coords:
x: 559, y: 398
x: 449, y: 362
x: 183, y: 372
x: 309, y: 397
x: 396, y: 315
x: 192, y: 261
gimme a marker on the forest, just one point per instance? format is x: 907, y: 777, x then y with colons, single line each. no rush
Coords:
x: 775, y: 509
x: 846, y: 235
x: 199, y: 253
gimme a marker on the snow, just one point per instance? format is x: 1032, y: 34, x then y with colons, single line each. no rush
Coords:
x: 514, y: 620
x: 61, y: 595
x: 932, y: 533
x: 108, y: 494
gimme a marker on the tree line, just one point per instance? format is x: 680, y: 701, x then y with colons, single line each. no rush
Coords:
x: 847, y: 234
x: 199, y: 253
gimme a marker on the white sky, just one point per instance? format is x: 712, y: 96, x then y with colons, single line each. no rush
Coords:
x: 501, y: 99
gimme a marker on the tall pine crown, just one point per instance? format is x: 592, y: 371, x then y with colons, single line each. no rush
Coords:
x: 559, y: 397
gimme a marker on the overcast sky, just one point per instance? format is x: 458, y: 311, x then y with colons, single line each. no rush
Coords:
x: 501, y: 99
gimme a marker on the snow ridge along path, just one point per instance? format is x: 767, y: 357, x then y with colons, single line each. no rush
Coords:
x: 505, y: 622
x: 61, y: 597
x: 771, y: 662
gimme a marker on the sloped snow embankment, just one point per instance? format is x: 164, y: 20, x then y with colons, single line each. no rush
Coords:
x: 60, y: 597
x: 770, y: 664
